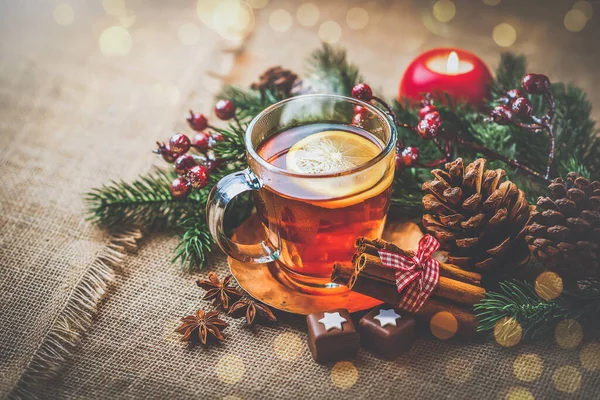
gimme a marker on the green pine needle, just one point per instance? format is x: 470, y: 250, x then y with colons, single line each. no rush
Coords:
x: 329, y: 71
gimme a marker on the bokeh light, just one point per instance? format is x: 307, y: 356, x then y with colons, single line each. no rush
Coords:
x: 205, y: 10
x: 504, y: 35
x: 308, y: 14
x: 585, y: 7
x: 567, y: 379
x: 444, y: 10
x: 257, y: 3
x: 443, y: 325
x: 115, y: 41
x: 459, y: 370
x: 280, y: 20
x: 357, y: 18
x: 230, y: 369
x: 590, y: 357
x: 528, y: 367
x: 330, y: 32
x: 491, y: 2
x: 575, y: 20
x: 519, y: 393
x: 344, y: 375
x: 568, y: 334
x: 508, y: 332
x: 232, y: 19
x: 64, y: 14
x: 127, y: 19
x: 548, y: 285
x: 189, y: 34
x: 288, y: 346
x: 114, y: 7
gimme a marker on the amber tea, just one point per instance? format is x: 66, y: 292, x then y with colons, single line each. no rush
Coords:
x: 318, y: 220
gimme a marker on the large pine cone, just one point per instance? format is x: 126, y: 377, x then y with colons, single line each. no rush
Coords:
x: 477, y: 217
x: 565, y: 230
x: 276, y: 78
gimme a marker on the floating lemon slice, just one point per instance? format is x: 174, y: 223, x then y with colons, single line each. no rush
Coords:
x: 330, y: 152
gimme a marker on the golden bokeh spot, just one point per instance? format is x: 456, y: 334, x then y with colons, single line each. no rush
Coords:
x: 548, y: 285
x: 330, y: 32
x: 232, y: 19
x: 585, y: 7
x: 566, y: 379
x: 114, y: 7
x: 188, y: 34
x: 528, y: 367
x: 288, y: 346
x: 575, y: 20
x: 443, y: 325
x: 357, y: 18
x: 257, y: 3
x: 344, y: 375
x: 230, y: 369
x: 280, y: 20
x: 504, y: 35
x: 127, y: 20
x: 519, y: 393
x: 433, y: 25
x: 205, y: 10
x: 508, y: 332
x: 491, y: 2
x: 459, y: 370
x: 444, y: 10
x: 230, y: 397
x: 308, y: 14
x: 64, y: 14
x: 115, y: 41
x: 590, y: 357
x: 568, y: 334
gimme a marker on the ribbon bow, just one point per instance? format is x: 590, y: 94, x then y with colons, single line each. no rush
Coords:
x: 419, y: 274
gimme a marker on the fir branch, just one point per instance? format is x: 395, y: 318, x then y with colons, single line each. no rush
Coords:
x: 145, y: 202
x: 328, y: 71
x: 511, y: 69
x: 196, y: 242
x: 535, y: 315
x: 249, y: 103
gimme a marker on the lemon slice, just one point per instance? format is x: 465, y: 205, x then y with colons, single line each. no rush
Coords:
x: 330, y: 152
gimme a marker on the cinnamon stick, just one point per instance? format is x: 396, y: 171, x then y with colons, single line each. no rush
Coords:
x: 467, y: 323
x: 463, y: 293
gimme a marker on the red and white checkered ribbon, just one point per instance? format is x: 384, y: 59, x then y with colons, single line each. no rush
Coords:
x: 419, y: 274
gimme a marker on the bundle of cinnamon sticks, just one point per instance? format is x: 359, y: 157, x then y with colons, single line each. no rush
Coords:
x: 457, y: 291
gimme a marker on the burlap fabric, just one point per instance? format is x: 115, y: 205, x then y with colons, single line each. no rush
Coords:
x: 72, y: 119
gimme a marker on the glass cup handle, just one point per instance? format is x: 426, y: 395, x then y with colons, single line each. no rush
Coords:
x: 221, y: 194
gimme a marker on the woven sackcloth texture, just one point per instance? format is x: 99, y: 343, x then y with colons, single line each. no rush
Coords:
x: 83, y: 317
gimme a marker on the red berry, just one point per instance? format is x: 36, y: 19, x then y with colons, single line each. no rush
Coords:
x: 183, y: 163
x: 501, y: 114
x: 428, y: 128
x: 225, y: 109
x: 536, y: 83
x: 358, y: 119
x: 410, y: 156
x: 179, y: 188
x: 433, y: 116
x: 198, y: 176
x: 214, y: 138
x: 426, y: 109
x: 180, y: 143
x: 165, y: 151
x: 359, y: 109
x: 362, y: 91
x: 201, y: 141
x: 522, y: 107
x: 514, y: 93
x: 198, y: 122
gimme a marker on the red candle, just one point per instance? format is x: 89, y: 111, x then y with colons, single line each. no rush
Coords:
x: 456, y: 72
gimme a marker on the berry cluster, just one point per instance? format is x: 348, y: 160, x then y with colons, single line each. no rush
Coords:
x: 430, y: 120
x: 193, y: 169
x: 515, y: 104
x: 406, y: 157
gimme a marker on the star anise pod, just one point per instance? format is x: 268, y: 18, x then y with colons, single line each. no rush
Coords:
x: 202, y: 323
x: 221, y: 292
x: 251, y: 306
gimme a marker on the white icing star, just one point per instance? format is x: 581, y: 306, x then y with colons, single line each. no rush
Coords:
x: 387, y: 317
x: 332, y: 320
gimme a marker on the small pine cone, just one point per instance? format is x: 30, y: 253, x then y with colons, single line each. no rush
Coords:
x: 564, y: 231
x: 478, y: 217
x: 276, y: 78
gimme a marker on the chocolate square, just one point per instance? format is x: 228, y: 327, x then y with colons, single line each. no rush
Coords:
x: 387, y: 341
x: 334, y: 344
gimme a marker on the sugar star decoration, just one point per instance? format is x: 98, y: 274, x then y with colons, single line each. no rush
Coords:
x: 387, y: 317
x: 332, y: 320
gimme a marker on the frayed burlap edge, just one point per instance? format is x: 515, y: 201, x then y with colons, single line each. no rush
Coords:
x: 77, y: 315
